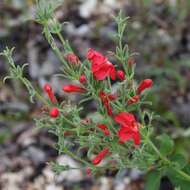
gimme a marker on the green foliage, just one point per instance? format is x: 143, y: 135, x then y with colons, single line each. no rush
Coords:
x: 166, y: 144
x: 153, y: 180
x: 179, y: 161
x: 45, y: 10
x: 122, y: 51
x: 177, y: 180
x: 4, y: 136
x: 16, y: 72
x: 60, y: 168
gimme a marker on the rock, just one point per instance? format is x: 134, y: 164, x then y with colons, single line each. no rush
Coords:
x: 182, y: 110
x: 26, y: 138
x: 39, y: 183
x: 36, y: 155
x: 83, y: 31
x: 5, y: 163
x: 15, y: 107
x: 105, y: 183
x: 70, y: 175
x: 121, y: 184
x: 14, y: 181
x: 121, y: 180
x: 136, y: 25
x: 19, y: 128
x: 53, y: 187
x: 134, y: 174
x: 33, y: 53
x: 87, y: 8
x: 107, y: 32
x: 19, y: 162
x: 110, y: 5
x: 173, y: 2
x: 11, y: 181
x: 49, y: 174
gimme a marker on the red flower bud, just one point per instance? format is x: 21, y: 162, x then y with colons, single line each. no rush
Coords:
x: 82, y: 79
x: 130, y: 61
x: 147, y: 83
x: 88, y: 172
x: 54, y: 112
x: 73, y: 88
x: 100, y: 156
x: 72, y: 58
x: 121, y: 75
x: 133, y: 100
x: 106, y: 98
x: 104, y: 129
x: 48, y: 90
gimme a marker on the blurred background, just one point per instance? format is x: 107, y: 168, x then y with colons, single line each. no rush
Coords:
x: 158, y: 32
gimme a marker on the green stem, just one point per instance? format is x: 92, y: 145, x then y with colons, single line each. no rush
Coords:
x: 53, y: 45
x: 61, y: 39
x: 158, y: 152
x: 182, y: 173
x: 69, y: 122
x: 76, y: 157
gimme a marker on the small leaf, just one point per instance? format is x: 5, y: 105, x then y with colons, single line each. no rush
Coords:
x: 6, y: 78
x: 153, y: 180
x: 166, y: 144
x: 179, y: 161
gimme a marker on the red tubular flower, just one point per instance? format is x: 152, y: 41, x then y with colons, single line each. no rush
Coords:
x: 126, y: 134
x: 73, y: 88
x: 147, y: 83
x: 104, y: 129
x: 121, y: 75
x: 106, y: 98
x: 54, y: 112
x: 100, y: 156
x: 125, y: 119
x: 48, y: 90
x: 101, y: 67
x: 133, y: 100
x: 129, y: 128
x: 72, y: 58
x: 82, y: 79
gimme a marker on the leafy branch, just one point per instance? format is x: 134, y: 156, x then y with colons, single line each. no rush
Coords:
x: 17, y: 73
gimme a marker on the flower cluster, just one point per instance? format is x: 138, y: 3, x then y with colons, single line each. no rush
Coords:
x: 117, y: 130
x: 102, y: 69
